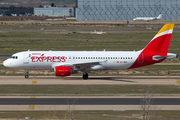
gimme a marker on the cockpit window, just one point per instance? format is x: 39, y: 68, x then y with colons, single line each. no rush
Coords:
x: 14, y: 57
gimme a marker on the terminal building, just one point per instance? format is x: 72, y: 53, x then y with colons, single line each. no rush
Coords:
x: 106, y: 10
x: 54, y: 11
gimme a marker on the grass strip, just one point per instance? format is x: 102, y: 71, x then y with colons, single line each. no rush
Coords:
x: 15, y: 42
x: 88, y: 115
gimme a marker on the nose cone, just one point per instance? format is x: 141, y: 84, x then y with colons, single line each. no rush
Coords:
x: 5, y: 63
x: 8, y: 63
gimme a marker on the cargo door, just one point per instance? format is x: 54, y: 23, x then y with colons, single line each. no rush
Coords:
x: 26, y: 58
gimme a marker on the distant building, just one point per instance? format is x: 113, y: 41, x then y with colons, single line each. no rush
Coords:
x: 54, y: 11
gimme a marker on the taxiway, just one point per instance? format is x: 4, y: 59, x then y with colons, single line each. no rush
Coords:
x: 93, y: 80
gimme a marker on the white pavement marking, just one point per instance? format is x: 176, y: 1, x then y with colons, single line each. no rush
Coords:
x: 93, y: 80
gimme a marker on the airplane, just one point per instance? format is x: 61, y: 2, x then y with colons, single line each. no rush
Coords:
x: 65, y: 63
x: 148, y: 18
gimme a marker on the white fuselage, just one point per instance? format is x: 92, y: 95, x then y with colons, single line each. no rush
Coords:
x: 33, y: 60
x: 148, y: 18
x: 145, y: 18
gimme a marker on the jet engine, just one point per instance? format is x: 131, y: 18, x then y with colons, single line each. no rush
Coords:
x: 63, y: 71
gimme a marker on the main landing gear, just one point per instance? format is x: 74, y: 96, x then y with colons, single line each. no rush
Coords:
x: 27, y: 74
x: 85, y: 76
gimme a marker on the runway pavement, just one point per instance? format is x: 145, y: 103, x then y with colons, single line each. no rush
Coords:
x: 116, y: 104
x: 86, y: 101
x: 93, y: 80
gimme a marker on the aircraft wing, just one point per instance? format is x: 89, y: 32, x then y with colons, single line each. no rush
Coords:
x: 80, y: 66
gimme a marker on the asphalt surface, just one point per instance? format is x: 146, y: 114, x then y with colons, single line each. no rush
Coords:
x: 86, y: 101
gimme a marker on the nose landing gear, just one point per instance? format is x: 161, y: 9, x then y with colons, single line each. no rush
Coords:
x: 27, y: 74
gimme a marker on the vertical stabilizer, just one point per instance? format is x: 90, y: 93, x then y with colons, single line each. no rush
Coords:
x: 159, y: 17
x: 161, y: 40
x: 156, y: 50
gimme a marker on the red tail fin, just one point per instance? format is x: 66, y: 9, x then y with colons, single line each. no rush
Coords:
x: 161, y: 40
x: 156, y: 50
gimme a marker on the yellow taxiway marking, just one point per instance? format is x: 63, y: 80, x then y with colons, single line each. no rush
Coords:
x: 178, y: 81
x: 34, y: 82
x: 31, y: 107
x: 32, y: 97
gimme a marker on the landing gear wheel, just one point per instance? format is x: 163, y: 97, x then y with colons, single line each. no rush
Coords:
x: 26, y: 76
x: 85, y: 76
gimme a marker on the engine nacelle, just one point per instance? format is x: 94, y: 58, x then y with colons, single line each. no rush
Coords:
x: 63, y: 71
